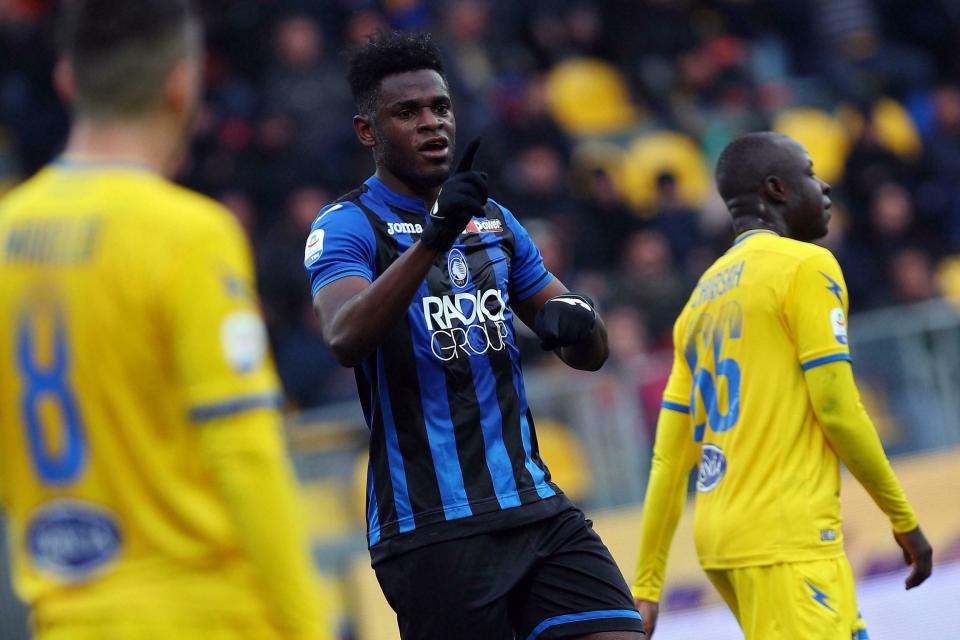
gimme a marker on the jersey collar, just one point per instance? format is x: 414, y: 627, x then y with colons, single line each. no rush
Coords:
x: 382, y: 192
x: 749, y: 234
x: 75, y: 161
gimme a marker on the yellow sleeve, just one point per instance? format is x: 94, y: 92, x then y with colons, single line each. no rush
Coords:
x: 674, y: 455
x: 231, y: 392
x: 840, y: 412
x: 246, y: 457
x: 816, y: 311
x: 218, y: 336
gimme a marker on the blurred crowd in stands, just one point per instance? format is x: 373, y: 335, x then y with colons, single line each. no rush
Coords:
x: 601, y: 122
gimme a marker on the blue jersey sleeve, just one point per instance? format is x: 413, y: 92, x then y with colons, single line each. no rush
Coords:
x: 341, y: 243
x: 528, y: 275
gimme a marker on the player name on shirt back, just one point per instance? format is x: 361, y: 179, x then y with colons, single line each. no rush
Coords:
x: 53, y: 241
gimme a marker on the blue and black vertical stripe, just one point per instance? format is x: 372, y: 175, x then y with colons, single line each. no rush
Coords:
x: 453, y: 439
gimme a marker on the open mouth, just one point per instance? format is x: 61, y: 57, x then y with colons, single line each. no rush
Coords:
x: 435, y: 148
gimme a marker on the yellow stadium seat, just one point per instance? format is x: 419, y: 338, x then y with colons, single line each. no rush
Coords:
x: 563, y: 453
x: 822, y: 134
x: 327, y: 514
x: 590, y: 97
x: 660, y: 152
x: 893, y: 126
x: 896, y: 129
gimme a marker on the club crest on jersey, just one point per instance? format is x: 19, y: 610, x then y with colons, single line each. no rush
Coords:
x: 484, y: 225
x: 72, y: 540
x: 457, y: 268
x: 839, y: 324
x: 314, y: 248
x: 713, y: 466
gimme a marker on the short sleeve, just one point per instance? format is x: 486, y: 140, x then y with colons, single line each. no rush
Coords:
x: 528, y: 274
x: 676, y: 396
x: 340, y: 244
x: 219, y: 338
x: 816, y: 308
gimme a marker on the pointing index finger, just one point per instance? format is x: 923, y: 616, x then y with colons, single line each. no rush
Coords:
x: 466, y: 162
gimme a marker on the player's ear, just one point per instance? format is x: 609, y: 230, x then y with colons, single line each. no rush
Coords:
x: 775, y: 189
x: 182, y: 86
x: 64, y: 81
x: 363, y: 127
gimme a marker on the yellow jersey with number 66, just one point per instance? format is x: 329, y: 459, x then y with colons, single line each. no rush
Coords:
x: 768, y: 482
x: 127, y: 318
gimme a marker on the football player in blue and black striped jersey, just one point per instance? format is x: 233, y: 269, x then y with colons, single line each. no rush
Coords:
x: 416, y: 277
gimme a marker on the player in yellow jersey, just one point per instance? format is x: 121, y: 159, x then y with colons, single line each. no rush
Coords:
x: 762, y: 398
x: 142, y: 469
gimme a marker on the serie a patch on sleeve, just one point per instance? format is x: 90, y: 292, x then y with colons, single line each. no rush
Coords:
x: 314, y: 248
x: 838, y: 322
x: 243, y: 339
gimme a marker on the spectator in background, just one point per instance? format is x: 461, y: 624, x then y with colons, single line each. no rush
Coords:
x: 942, y: 159
x: 524, y: 119
x: 649, y: 280
x: 308, y: 371
x: 305, y: 86
x: 627, y: 334
x: 603, y: 225
x: 911, y: 276
x: 536, y: 176
x: 869, y: 164
x: 471, y: 65
x: 709, y: 70
x: 678, y: 222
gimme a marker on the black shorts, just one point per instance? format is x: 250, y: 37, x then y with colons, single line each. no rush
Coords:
x: 549, y: 579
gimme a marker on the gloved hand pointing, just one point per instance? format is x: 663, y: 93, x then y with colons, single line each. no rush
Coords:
x: 462, y: 197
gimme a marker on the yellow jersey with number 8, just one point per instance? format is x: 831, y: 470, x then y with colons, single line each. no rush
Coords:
x: 127, y: 317
x: 768, y: 482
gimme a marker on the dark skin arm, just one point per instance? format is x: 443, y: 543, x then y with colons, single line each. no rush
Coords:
x: 916, y: 553
x: 586, y: 356
x: 356, y: 315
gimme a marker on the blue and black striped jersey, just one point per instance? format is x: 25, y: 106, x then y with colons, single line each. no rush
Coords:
x: 451, y: 435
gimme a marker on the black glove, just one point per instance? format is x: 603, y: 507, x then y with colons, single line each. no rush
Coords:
x: 463, y: 196
x: 564, y: 320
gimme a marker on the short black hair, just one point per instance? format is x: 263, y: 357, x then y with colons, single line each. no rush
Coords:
x: 387, y: 54
x: 121, y: 50
x: 747, y: 161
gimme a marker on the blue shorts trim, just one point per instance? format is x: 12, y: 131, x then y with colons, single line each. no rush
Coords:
x: 816, y: 362
x: 579, y: 617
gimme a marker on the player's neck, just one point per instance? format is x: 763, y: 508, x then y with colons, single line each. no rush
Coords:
x: 145, y: 142
x: 756, y: 223
x: 397, y: 185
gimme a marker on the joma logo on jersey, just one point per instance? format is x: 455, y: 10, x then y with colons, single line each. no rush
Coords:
x: 484, y: 226
x: 394, y: 228
x: 466, y: 323
x: 713, y: 466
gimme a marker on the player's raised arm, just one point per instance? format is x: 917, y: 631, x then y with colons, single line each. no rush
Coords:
x: 357, y: 313
x: 817, y: 315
